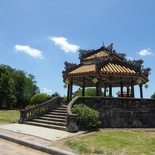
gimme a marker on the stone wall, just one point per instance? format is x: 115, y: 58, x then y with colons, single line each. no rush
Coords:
x: 116, y: 112
x: 127, y: 117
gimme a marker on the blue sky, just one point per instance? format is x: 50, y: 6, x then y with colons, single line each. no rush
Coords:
x: 38, y: 36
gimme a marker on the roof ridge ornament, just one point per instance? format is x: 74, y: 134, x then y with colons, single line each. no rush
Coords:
x: 110, y: 47
x: 146, y: 71
x: 69, y: 65
x: 137, y: 63
x: 84, y: 53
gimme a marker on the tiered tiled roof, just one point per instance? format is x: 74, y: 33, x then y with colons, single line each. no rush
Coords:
x: 106, y: 62
x: 110, y: 68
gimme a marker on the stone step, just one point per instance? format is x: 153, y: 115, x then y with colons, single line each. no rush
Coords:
x: 49, y: 122
x: 46, y: 125
x: 55, y: 116
x: 53, y: 119
x: 58, y: 113
x: 62, y: 108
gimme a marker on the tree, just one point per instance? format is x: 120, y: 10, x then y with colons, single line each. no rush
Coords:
x: 55, y: 94
x: 23, y: 86
x: 19, y: 80
x: 7, y: 98
x: 88, y: 92
x: 153, y: 95
x: 30, y: 88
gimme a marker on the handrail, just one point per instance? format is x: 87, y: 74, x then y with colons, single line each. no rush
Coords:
x: 99, y: 102
x: 39, y: 110
x: 72, y: 118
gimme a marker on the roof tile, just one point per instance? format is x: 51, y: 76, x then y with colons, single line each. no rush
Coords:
x: 100, y: 54
x: 109, y: 68
x: 83, y: 69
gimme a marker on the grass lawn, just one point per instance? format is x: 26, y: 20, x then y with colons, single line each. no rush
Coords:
x: 9, y: 116
x: 111, y: 142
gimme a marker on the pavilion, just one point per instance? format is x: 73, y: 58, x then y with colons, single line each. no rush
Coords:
x: 105, y: 68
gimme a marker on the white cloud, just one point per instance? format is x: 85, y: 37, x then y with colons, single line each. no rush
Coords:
x: 47, y: 91
x: 31, y: 51
x: 64, y: 45
x: 145, y: 52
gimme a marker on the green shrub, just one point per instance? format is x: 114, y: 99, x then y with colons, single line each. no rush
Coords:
x: 87, y: 117
x: 39, y: 98
x: 64, y: 99
x: 31, y: 106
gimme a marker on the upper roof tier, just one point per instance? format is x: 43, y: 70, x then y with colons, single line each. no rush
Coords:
x: 103, y: 52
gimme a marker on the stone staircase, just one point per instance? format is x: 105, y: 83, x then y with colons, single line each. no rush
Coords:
x: 55, y: 119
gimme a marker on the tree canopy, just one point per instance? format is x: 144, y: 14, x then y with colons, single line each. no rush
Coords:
x: 88, y: 92
x: 16, y: 87
x: 153, y: 95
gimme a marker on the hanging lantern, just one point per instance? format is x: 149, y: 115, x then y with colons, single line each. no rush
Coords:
x: 146, y: 86
x: 139, y: 81
x: 65, y: 86
x: 95, y: 80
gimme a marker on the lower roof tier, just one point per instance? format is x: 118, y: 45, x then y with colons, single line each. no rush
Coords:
x: 110, y: 72
x: 110, y: 69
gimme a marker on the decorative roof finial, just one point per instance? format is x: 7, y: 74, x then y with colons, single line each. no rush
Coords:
x: 110, y: 47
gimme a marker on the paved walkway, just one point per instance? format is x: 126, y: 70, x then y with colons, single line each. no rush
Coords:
x: 10, y: 148
x: 32, y: 136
